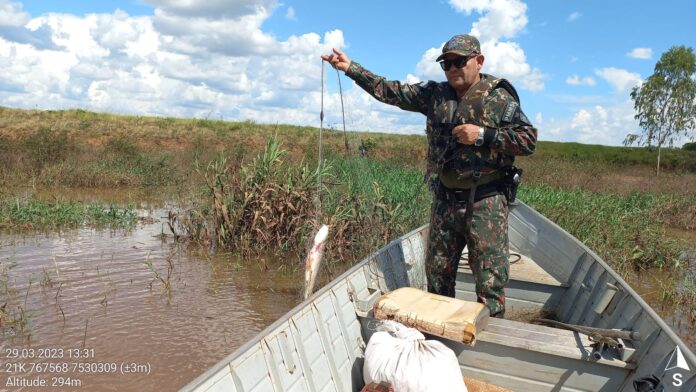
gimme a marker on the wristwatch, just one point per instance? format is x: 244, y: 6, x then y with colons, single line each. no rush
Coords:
x: 479, y: 139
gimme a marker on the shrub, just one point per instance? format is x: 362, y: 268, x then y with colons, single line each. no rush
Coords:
x: 121, y: 148
x: 47, y: 146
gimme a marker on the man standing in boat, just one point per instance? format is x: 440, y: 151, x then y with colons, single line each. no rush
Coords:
x: 475, y: 128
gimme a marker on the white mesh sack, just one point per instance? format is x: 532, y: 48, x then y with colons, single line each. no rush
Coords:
x: 403, y: 357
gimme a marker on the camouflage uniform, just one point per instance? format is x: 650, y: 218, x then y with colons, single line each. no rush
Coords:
x: 493, y: 104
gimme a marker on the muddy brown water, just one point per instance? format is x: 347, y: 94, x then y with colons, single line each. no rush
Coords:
x: 681, y: 318
x: 98, y: 319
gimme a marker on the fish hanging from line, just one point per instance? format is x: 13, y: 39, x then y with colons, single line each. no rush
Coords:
x: 314, y: 256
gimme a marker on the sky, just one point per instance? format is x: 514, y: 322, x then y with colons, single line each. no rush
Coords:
x: 573, y: 62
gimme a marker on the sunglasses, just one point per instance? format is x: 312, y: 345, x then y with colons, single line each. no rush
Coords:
x: 458, y: 62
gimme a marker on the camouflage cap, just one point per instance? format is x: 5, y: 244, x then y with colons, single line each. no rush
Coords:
x: 462, y: 44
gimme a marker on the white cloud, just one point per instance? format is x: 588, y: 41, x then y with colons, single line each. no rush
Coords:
x: 500, y: 19
x: 167, y: 64
x: 640, y: 53
x: 575, y: 80
x: 290, y: 14
x: 171, y: 64
x: 412, y: 79
x: 507, y: 59
x: 73, y: 34
x: 11, y: 14
x: 427, y: 68
x: 213, y: 9
x: 606, y: 125
x: 15, y: 26
x: 334, y: 39
x: 233, y: 36
x: 191, y: 59
x: 574, y: 16
x: 620, y: 79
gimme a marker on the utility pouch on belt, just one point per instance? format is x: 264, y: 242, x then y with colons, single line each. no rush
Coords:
x: 512, y: 176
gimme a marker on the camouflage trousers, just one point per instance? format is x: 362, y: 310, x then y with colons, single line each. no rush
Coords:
x: 487, y: 246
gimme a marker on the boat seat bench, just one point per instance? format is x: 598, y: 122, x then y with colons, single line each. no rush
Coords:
x: 540, y: 353
x: 544, y: 339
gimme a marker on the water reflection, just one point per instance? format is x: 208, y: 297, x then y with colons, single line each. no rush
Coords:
x: 651, y: 285
x: 95, y: 289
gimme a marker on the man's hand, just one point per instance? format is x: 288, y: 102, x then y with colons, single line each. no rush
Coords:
x: 466, y: 133
x: 338, y: 60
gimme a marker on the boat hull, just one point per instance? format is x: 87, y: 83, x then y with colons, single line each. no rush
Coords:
x: 319, y: 345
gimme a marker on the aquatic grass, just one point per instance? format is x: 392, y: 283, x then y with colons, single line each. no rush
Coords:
x: 99, y: 214
x: 15, y: 320
x: 392, y: 199
x: 165, y: 280
x: 268, y: 206
x: 262, y: 205
x: 626, y: 231
x: 46, y: 280
x: 43, y: 214
x: 680, y: 291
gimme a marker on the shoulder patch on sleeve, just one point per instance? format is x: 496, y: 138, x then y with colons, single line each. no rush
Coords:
x: 509, y: 113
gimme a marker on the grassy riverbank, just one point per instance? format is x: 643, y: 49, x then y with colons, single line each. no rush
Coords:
x: 608, y: 197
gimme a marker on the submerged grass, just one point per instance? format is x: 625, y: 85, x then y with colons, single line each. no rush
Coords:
x: 30, y: 213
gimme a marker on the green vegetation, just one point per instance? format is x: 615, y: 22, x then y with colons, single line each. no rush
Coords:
x: 54, y: 158
x: 254, y: 185
x: 666, y: 102
x: 41, y: 214
x: 367, y: 202
x: 675, y: 160
x: 626, y: 231
x: 267, y: 206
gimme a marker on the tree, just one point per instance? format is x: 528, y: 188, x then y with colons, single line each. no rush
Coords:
x: 630, y: 139
x: 666, y: 102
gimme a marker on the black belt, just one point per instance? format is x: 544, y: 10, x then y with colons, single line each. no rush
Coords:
x: 483, y: 191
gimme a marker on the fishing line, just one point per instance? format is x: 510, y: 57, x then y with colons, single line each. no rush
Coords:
x: 343, y: 112
x: 321, y: 132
